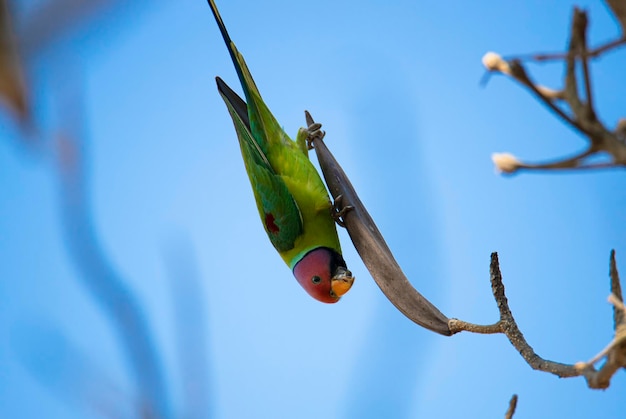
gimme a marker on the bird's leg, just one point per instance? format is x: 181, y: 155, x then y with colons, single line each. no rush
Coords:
x: 339, y: 211
x: 314, y: 130
x: 302, y: 140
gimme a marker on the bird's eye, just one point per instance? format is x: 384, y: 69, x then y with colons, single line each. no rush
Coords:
x: 316, y: 279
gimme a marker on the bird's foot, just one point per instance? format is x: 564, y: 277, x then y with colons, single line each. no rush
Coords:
x: 314, y: 130
x: 339, y: 211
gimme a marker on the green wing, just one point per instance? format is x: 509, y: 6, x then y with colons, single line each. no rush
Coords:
x: 278, y: 210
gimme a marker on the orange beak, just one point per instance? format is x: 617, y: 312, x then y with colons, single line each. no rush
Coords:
x: 341, y: 282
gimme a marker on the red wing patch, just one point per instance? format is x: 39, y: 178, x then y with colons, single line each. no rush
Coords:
x: 270, y: 224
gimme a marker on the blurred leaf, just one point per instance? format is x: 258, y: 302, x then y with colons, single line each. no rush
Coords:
x: 190, y: 315
x: 64, y: 369
x: 12, y: 85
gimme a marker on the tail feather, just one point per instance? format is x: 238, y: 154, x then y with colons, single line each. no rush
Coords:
x: 262, y: 124
x: 224, y: 32
x: 235, y: 101
x: 245, y: 78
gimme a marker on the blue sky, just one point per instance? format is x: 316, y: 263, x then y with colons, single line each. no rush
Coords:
x: 397, y: 89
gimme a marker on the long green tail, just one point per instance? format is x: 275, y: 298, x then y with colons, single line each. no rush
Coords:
x: 245, y: 78
x: 264, y: 128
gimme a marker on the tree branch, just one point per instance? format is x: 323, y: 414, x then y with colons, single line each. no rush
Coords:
x: 508, y: 326
x: 386, y: 272
x: 512, y: 406
x: 579, y: 113
x: 615, y: 352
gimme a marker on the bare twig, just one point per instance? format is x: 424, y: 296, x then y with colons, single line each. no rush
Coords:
x: 508, y: 326
x: 615, y: 352
x: 512, y: 406
x: 618, y: 7
x: 507, y: 163
x: 567, y: 104
x: 589, y: 54
x: 579, y: 47
x: 619, y: 315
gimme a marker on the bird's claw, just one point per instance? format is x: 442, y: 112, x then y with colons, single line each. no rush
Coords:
x: 315, y: 133
x: 314, y: 130
x: 339, y: 211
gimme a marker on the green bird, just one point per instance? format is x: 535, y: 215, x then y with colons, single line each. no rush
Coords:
x: 292, y: 200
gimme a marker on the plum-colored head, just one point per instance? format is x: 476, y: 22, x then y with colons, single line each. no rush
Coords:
x: 323, y: 274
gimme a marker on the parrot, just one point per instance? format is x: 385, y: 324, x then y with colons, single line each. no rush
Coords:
x: 291, y: 198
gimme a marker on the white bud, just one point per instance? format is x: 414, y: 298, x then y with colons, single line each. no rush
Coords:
x: 505, y: 162
x: 494, y: 62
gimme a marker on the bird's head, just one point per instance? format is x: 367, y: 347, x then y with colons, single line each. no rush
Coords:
x: 323, y: 274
